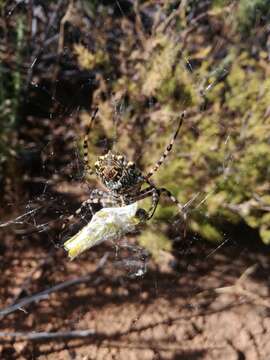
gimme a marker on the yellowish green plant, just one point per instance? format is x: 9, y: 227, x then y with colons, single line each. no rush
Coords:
x: 222, y: 153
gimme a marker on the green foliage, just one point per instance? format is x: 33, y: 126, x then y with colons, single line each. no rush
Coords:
x: 2, y: 3
x: 251, y: 13
x: 154, y: 242
x: 88, y: 60
x: 221, y: 158
x: 10, y: 88
x: 207, y: 231
x: 221, y: 3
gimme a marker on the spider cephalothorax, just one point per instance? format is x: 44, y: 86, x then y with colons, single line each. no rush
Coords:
x: 123, y: 180
x: 116, y: 173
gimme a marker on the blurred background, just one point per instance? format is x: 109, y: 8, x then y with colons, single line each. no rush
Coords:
x: 141, y: 63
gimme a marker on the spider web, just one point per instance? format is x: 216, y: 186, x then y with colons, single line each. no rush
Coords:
x: 57, y: 186
x: 40, y: 95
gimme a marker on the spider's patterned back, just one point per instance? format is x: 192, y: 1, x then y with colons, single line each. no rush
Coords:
x: 121, y: 177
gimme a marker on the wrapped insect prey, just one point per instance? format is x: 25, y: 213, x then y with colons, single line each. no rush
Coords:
x: 106, y: 224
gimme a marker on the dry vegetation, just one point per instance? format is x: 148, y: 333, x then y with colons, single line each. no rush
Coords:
x: 142, y: 63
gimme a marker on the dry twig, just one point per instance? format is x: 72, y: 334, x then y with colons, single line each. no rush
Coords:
x: 238, y: 289
x: 45, y: 294
x: 44, y: 335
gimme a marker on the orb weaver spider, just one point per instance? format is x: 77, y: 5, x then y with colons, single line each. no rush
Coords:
x: 123, y: 180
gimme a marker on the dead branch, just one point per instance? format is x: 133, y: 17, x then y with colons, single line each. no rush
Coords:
x: 18, y: 219
x: 44, y: 335
x: 43, y: 295
x: 238, y: 289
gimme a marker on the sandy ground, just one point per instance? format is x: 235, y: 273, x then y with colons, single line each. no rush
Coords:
x: 177, y: 310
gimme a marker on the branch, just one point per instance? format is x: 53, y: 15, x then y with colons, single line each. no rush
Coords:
x: 17, y: 220
x: 238, y: 289
x: 44, y: 335
x: 45, y: 294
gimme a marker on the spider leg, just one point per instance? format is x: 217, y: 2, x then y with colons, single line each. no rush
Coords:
x: 168, y: 148
x: 104, y: 198
x: 155, y: 200
x: 88, y: 168
x: 156, y: 192
x: 175, y: 201
x: 96, y: 197
x: 180, y: 207
x: 149, y: 191
x: 77, y: 212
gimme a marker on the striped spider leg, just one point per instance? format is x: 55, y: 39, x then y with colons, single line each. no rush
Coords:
x: 97, y: 197
x: 152, y: 190
x: 155, y: 192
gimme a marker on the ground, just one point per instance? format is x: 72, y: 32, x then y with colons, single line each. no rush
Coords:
x: 177, y: 310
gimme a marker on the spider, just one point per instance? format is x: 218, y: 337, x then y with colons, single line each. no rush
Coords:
x: 123, y: 180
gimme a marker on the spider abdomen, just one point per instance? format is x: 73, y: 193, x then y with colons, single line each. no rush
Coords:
x: 117, y: 174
